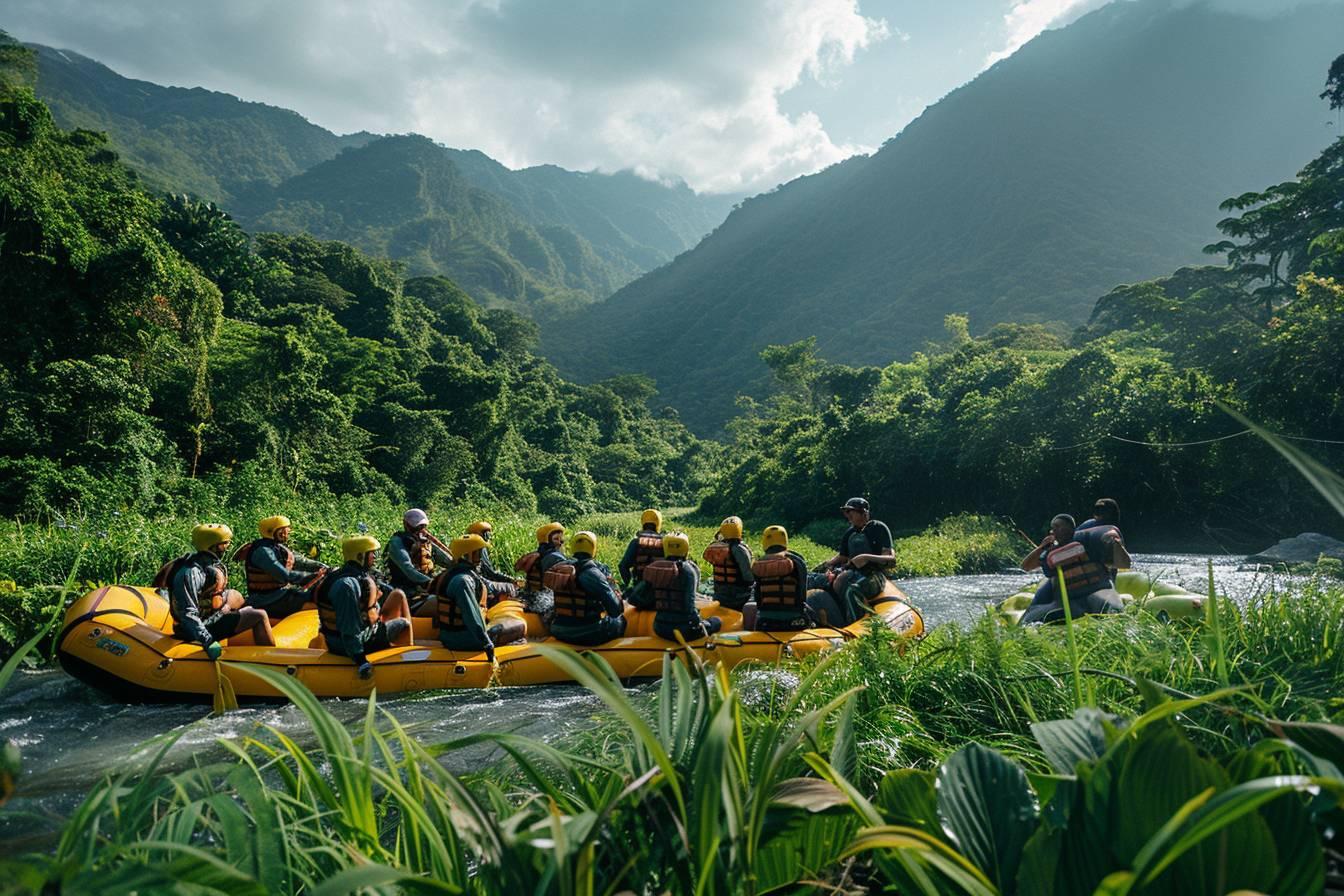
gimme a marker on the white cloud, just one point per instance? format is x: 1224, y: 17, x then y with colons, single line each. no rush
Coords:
x: 1027, y: 18
x: 685, y: 89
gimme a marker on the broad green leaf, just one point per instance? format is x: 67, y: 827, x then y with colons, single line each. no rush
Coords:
x: 1067, y: 742
x: 987, y: 809
x: 906, y: 796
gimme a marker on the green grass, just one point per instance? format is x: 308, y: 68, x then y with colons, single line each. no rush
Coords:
x: 965, y: 543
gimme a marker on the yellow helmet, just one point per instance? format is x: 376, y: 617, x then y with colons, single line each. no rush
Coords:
x: 651, y: 516
x: 354, y: 547
x: 731, y: 527
x: 676, y: 544
x: 268, y: 526
x: 463, y: 546
x: 775, y: 536
x: 544, y: 532
x: 207, y: 535
x: 584, y: 543
x: 481, y: 528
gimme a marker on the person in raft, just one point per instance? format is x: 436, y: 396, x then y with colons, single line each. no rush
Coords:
x: 1104, y: 513
x: 500, y: 585
x: 864, y: 551
x: 588, y: 611
x: 279, y: 579
x: 731, y: 561
x: 412, y: 555
x: 673, y: 582
x: 349, y: 616
x: 643, y: 549
x: 459, y: 594
x: 1084, y: 557
x: 550, y: 551
x: 782, y: 603
x: 204, y: 608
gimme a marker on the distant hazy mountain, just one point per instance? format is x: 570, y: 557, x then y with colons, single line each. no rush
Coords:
x: 1095, y: 155
x: 541, y: 233
x: 185, y: 140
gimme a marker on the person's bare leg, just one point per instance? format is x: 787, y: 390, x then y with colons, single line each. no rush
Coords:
x: 259, y: 625
x: 396, y: 606
x: 234, y: 600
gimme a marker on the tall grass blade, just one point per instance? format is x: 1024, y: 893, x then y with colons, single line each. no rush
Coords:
x: 1329, y: 483
x: 1073, y: 643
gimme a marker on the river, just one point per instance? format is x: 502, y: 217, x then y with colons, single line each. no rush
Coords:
x: 70, y: 736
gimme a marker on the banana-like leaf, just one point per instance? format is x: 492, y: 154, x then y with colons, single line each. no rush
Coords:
x: 906, y: 796
x: 1067, y: 742
x: 987, y: 809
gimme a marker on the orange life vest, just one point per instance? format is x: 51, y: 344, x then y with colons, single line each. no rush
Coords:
x: 720, y: 556
x: 259, y: 581
x: 1082, y: 574
x: 572, y: 603
x: 664, y: 577
x: 326, y: 610
x: 530, y: 566
x: 450, y: 615
x: 778, y: 585
x: 209, y: 599
x: 648, y: 548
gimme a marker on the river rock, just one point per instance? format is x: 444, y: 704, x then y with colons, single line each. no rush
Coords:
x: 1305, y: 548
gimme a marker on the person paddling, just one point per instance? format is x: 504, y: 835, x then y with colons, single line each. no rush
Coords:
x: 459, y: 595
x: 412, y: 555
x: 204, y: 608
x: 279, y: 579
x: 350, y: 617
x: 500, y: 585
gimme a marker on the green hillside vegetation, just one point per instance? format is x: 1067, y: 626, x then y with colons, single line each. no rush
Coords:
x: 1020, y: 421
x: 192, y: 140
x: 157, y: 352
x: 1094, y: 156
x: 404, y: 198
x: 570, y: 237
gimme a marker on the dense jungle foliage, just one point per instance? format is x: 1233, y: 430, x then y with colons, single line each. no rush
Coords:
x: 151, y: 342
x: 1024, y: 420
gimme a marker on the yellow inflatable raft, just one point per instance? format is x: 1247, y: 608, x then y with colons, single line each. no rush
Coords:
x: 119, y: 639
x: 1163, y: 600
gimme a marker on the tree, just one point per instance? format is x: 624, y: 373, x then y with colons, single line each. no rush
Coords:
x: 1334, y: 84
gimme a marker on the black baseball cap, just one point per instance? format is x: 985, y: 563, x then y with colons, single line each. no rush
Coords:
x: 856, y: 504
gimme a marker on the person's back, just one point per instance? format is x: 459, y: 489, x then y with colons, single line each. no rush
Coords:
x: 732, y: 564
x: 781, y: 591
x: 674, y: 581
x: 588, y: 612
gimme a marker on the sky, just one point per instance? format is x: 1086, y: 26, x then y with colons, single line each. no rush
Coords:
x: 728, y: 95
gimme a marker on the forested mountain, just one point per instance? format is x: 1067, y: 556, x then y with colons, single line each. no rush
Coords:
x: 570, y: 237
x: 184, y: 140
x: 1096, y: 155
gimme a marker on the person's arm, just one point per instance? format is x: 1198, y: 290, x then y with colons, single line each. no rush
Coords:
x: 879, y: 536
x: 742, y: 557
x: 627, y: 565
x: 263, y: 558
x: 399, y: 557
x: 306, y: 565
x: 441, y: 557
x: 1033, y: 560
x: 186, y: 589
x: 1114, y: 549
x: 692, y: 579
